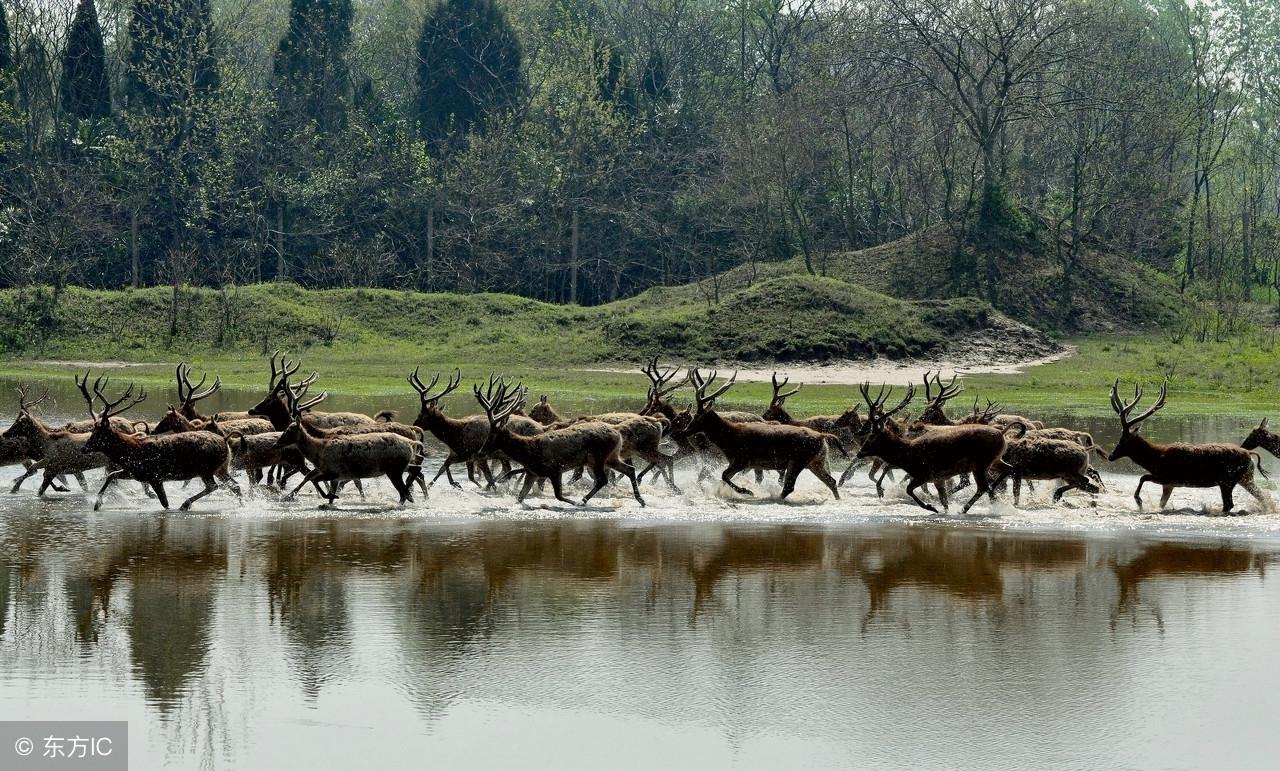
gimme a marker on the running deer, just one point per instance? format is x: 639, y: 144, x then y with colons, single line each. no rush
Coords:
x: 843, y: 425
x: 1034, y: 456
x: 641, y: 436
x: 340, y: 458
x: 275, y: 405
x: 54, y: 451
x: 153, y: 460
x: 595, y: 445
x: 1264, y: 438
x: 762, y: 445
x: 465, y: 437
x: 1181, y: 464
x: 934, y: 455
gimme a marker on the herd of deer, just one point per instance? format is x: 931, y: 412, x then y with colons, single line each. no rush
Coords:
x: 284, y: 435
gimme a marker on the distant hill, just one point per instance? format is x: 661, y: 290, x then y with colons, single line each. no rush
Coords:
x: 1112, y: 293
x: 784, y: 317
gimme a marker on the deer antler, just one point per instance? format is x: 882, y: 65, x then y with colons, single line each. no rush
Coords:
x: 188, y: 394
x: 112, y: 408
x: 778, y: 397
x: 701, y: 385
x: 424, y: 392
x: 25, y: 404
x: 1123, y: 410
x: 83, y: 385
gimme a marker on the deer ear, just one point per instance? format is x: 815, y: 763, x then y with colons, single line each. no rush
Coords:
x: 1263, y: 424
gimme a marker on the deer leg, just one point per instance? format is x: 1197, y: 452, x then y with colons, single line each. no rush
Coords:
x: 1137, y: 494
x: 600, y: 473
x: 44, y: 484
x: 941, y: 487
x: 30, y: 472
x: 209, y: 486
x: 1093, y: 474
x: 444, y: 469
x: 158, y: 486
x: 880, y: 482
x: 912, y: 486
x: 1252, y: 487
x: 110, y: 479
x: 735, y: 467
x: 308, y: 478
x: 557, y: 486
x: 1017, y: 490
x: 789, y: 476
x: 524, y: 490
x: 359, y: 489
x: 628, y: 471
x: 1227, y: 502
x: 849, y: 470
x: 984, y: 487
x: 397, y: 481
x: 1164, y: 495
x: 819, y: 469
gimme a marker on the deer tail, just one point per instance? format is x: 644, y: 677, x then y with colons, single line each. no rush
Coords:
x: 1257, y: 459
x: 1016, y: 424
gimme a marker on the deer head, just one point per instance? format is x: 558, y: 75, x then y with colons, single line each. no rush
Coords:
x: 1129, y: 425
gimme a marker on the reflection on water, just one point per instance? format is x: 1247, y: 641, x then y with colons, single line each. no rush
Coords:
x: 314, y: 643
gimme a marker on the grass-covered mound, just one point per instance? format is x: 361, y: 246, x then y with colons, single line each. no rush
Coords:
x: 789, y: 317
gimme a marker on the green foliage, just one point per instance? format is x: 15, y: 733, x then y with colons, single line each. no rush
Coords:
x: 311, y: 77
x: 469, y: 63
x: 85, y: 92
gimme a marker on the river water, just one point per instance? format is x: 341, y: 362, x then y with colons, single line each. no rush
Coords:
x: 705, y: 630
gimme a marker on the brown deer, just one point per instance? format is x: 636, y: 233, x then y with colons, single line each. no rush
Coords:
x: 1032, y: 456
x: 934, y: 455
x: 641, y: 436
x: 339, y: 458
x: 465, y: 437
x: 1181, y: 464
x: 153, y: 460
x: 1264, y: 438
x: 547, y: 455
x: 54, y: 451
x: 274, y: 406
x: 761, y: 445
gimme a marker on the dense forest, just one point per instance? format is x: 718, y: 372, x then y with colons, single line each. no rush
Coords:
x: 584, y: 150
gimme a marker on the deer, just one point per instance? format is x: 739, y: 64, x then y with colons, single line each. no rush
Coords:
x: 547, y: 455
x: 339, y: 458
x: 934, y: 455
x: 760, y: 445
x: 1182, y: 464
x: 55, y: 452
x: 844, y: 425
x: 641, y: 436
x: 465, y: 437
x: 1264, y: 438
x: 153, y: 460
x: 933, y: 413
x: 274, y: 406
x: 1033, y: 456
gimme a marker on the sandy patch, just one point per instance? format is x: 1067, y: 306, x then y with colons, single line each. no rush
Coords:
x: 894, y: 372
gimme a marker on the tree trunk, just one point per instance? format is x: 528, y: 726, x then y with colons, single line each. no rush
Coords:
x: 282, y: 272
x: 431, y: 245
x: 136, y: 280
x: 573, y: 259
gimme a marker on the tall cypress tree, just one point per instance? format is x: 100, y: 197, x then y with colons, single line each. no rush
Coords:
x: 6, y: 53
x: 85, y: 93
x: 468, y: 69
x: 171, y: 58
x: 312, y: 80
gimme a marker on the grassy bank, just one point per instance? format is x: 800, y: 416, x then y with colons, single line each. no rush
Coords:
x: 792, y: 318
x: 1208, y: 379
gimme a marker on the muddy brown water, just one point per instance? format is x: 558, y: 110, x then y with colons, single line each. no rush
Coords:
x: 706, y: 630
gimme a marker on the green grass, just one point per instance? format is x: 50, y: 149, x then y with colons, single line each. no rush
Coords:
x: 1209, y: 379
x: 789, y: 318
